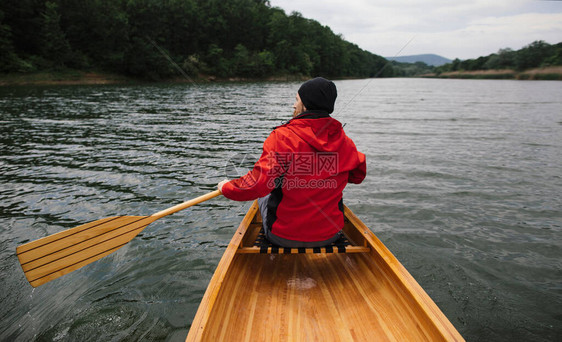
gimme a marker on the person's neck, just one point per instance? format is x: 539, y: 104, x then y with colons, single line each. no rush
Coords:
x: 313, y: 114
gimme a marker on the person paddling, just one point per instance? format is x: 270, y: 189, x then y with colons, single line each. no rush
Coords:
x: 304, y: 167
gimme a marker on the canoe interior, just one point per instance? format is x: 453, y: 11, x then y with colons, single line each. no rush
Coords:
x: 365, y: 296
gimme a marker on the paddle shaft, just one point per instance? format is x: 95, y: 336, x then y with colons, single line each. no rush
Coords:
x: 185, y: 205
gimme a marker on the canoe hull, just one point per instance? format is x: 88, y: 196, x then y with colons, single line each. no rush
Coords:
x: 303, y: 297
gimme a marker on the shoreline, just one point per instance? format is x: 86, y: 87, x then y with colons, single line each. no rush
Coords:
x: 66, y: 77
x: 553, y: 73
x: 76, y: 77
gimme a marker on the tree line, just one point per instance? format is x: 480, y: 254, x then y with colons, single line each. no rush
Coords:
x: 535, y: 55
x: 154, y: 39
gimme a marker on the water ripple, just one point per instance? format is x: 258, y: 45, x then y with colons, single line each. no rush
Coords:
x: 463, y: 186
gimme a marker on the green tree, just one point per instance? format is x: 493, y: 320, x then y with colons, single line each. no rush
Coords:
x: 265, y: 63
x: 532, y: 55
x: 9, y: 60
x: 55, y: 47
x: 98, y: 32
x: 217, y: 64
x: 506, y: 58
x: 140, y: 37
x: 455, y: 65
x: 24, y: 18
x: 555, y: 57
x: 242, y: 64
x: 493, y: 62
x: 144, y: 60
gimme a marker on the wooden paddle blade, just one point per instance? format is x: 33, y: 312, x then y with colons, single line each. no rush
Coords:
x: 56, y: 255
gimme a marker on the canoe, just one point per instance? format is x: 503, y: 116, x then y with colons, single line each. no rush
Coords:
x: 355, y: 291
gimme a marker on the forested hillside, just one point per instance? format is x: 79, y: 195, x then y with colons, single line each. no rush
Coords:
x: 145, y: 38
x: 428, y: 59
x: 534, y: 55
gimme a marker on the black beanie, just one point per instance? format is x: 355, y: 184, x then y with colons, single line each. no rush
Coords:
x: 318, y: 94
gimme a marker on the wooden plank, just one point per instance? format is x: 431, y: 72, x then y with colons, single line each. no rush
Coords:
x: 48, y: 239
x: 61, y: 253
x: 251, y: 234
x: 401, y: 277
x: 66, y: 244
x: 62, y: 271
x: 312, y: 297
x: 46, y: 270
x: 201, y: 319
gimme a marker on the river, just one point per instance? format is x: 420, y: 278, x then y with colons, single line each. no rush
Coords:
x: 464, y: 187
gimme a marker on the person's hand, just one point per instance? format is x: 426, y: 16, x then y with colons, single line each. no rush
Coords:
x: 220, y: 185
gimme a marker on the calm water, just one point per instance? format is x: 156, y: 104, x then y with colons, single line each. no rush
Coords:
x: 464, y: 186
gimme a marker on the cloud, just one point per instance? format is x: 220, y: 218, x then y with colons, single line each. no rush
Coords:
x: 463, y: 28
x: 484, y: 36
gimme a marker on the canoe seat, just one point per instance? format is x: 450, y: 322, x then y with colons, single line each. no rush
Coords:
x: 264, y: 246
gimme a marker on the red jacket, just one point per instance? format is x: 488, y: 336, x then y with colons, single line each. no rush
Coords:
x: 305, y: 165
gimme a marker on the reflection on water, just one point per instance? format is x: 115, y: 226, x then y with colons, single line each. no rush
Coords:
x: 463, y: 186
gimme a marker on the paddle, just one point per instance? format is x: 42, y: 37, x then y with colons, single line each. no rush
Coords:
x: 56, y: 255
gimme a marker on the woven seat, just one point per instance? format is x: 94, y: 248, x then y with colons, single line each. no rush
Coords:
x: 264, y: 246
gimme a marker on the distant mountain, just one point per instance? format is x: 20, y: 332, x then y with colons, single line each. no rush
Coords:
x: 429, y: 59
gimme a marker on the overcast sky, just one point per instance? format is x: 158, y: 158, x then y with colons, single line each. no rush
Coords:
x: 450, y: 28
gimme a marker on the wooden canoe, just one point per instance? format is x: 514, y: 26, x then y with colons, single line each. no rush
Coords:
x: 364, y: 294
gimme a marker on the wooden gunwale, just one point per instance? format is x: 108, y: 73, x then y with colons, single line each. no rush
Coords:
x: 298, y: 297
x: 202, y: 316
